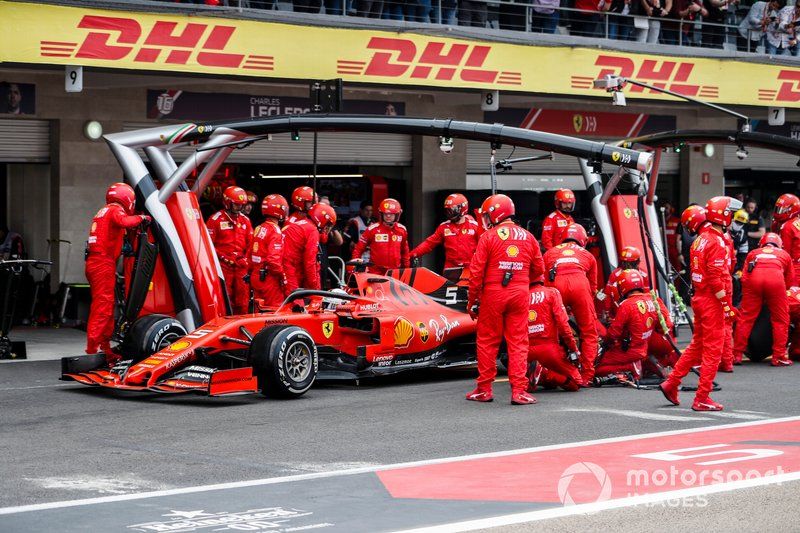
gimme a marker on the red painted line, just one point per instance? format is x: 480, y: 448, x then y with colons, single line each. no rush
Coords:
x: 254, y: 56
x: 47, y: 54
x: 343, y: 62
x: 258, y: 68
x: 639, y: 465
x: 59, y: 43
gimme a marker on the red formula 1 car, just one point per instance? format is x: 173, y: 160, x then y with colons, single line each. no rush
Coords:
x: 411, y: 318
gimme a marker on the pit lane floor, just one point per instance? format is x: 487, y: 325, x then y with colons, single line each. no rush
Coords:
x: 67, y: 442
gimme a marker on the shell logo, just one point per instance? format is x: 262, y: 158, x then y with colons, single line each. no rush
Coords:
x: 512, y: 251
x: 178, y: 346
x: 650, y: 322
x: 403, y: 332
x: 94, y: 227
x: 423, y: 331
x: 532, y: 316
x: 255, y: 246
x: 568, y: 252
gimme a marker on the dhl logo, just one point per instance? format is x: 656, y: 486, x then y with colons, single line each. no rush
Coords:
x: 394, y: 58
x: 117, y: 38
x: 664, y: 74
x: 789, y: 91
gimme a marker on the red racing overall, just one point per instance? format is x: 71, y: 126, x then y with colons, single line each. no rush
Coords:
x: 503, y: 312
x: 104, y: 245
x: 459, y: 242
x: 388, y: 246
x: 710, y: 275
x: 553, y: 228
x: 768, y: 274
x: 633, y: 324
x: 231, y: 237
x: 266, y: 264
x: 300, y: 248
x: 790, y: 235
x: 793, y: 295
x: 575, y: 276
x: 547, y: 325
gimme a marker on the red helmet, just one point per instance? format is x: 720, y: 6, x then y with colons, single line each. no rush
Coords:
x: 771, y: 239
x: 630, y: 254
x: 630, y: 280
x: 455, y: 206
x: 390, y: 206
x: 122, y: 194
x: 301, y: 197
x: 787, y: 206
x: 323, y: 216
x: 251, y: 197
x: 275, y: 206
x: 234, y: 196
x: 576, y: 233
x: 693, y: 217
x: 496, y: 209
x: 720, y: 210
x: 565, y: 200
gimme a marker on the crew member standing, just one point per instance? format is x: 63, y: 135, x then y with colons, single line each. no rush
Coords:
x: 711, y: 304
x: 787, y: 214
x: 767, y: 276
x: 301, y: 247
x: 266, y: 253
x: 231, y: 234
x: 102, y: 251
x: 555, y: 225
x: 302, y: 199
x: 506, y: 259
x: 459, y: 234
x: 549, y: 338
x: 573, y: 271
x: 387, y: 240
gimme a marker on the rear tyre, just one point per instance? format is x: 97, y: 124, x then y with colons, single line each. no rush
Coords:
x: 285, y: 361
x: 759, y: 346
x: 150, y: 334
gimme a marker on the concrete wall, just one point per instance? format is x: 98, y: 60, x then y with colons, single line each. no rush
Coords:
x: 694, y: 162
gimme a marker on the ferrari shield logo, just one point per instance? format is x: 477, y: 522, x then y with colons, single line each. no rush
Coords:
x: 641, y: 306
x: 627, y: 212
x: 615, y: 156
x: 503, y: 233
x: 577, y: 122
x: 327, y: 328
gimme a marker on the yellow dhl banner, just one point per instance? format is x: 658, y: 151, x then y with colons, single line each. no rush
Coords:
x: 50, y: 34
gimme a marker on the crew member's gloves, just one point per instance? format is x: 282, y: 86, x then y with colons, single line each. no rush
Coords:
x: 414, y: 261
x: 574, y: 357
x: 472, y: 309
x: 730, y: 311
x: 146, y: 220
x: 601, y: 295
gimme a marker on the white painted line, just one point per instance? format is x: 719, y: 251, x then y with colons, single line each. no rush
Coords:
x: 736, y: 414
x: 570, y: 510
x: 635, y: 414
x: 38, y: 387
x: 370, y: 469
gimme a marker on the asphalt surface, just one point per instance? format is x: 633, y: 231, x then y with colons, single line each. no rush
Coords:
x: 64, y: 441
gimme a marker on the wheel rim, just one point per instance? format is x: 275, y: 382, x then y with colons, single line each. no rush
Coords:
x: 298, y: 361
x: 166, y: 340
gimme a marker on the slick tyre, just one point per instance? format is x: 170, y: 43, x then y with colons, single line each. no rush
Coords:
x: 150, y: 334
x: 759, y: 346
x: 285, y: 361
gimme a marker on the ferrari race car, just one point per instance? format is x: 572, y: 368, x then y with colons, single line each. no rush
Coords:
x: 411, y: 318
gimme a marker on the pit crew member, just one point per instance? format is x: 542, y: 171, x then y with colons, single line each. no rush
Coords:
x: 787, y: 211
x: 506, y: 259
x: 556, y: 223
x: 573, y: 271
x: 102, y: 251
x: 301, y: 201
x: 609, y: 297
x: 301, y: 247
x: 711, y: 303
x: 267, y: 277
x: 231, y: 233
x: 551, y: 343
x: 767, y: 276
x: 387, y: 240
x: 459, y: 234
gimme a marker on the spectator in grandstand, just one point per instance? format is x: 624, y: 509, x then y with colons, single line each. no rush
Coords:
x: 783, y: 41
x: 620, y: 25
x: 449, y: 12
x: 714, y: 33
x: 512, y: 16
x: 369, y: 8
x: 472, y: 13
x: 259, y: 4
x: 545, y: 15
x: 679, y: 29
x: 586, y: 22
x: 762, y: 17
x: 649, y: 29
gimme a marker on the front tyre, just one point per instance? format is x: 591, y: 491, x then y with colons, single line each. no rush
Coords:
x: 285, y: 361
x: 150, y: 334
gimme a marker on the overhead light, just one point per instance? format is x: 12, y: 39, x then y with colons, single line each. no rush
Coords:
x: 708, y: 150
x: 92, y: 130
x: 308, y: 176
x: 295, y: 135
x: 446, y: 144
x: 741, y: 153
